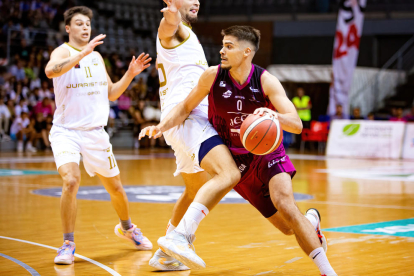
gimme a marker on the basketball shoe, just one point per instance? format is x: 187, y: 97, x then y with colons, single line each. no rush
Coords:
x: 322, y: 239
x: 134, y: 235
x: 181, y: 247
x: 66, y: 253
x: 163, y: 262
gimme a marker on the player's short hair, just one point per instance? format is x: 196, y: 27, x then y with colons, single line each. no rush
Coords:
x: 70, y: 13
x: 244, y: 33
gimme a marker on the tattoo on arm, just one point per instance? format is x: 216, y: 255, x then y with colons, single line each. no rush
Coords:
x: 58, y: 67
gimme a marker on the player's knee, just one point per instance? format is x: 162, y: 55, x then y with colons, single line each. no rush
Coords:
x: 71, y: 184
x: 287, y: 209
x: 287, y: 231
x: 116, y: 190
x: 233, y: 176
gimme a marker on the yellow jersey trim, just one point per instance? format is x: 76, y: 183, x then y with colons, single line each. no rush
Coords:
x: 185, y: 24
x: 170, y: 48
x: 73, y: 47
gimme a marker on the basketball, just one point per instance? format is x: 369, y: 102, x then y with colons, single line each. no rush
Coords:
x: 261, y: 135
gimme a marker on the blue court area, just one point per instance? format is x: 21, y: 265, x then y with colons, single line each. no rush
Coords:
x: 150, y: 194
x: 398, y: 228
x: 4, y: 172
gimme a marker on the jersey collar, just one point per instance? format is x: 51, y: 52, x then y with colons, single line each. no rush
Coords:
x: 185, y: 24
x: 246, y: 82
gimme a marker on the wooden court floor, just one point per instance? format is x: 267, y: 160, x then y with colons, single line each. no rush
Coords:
x: 233, y: 240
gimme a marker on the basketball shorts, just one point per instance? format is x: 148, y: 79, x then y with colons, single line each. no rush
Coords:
x: 257, y: 170
x: 186, y: 139
x: 93, y: 145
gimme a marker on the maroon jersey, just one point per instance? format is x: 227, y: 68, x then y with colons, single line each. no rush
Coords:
x: 231, y: 103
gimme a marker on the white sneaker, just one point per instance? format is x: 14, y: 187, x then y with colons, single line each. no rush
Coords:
x: 20, y: 146
x: 66, y: 253
x: 314, y: 212
x: 30, y: 148
x: 163, y: 262
x: 134, y: 235
x: 180, y: 247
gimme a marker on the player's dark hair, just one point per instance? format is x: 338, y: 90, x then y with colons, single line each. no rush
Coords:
x: 70, y: 13
x: 244, y: 33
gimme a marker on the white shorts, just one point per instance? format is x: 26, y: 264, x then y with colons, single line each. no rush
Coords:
x: 94, y: 145
x: 186, y: 139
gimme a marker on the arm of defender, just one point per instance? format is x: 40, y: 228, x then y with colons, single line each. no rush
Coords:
x: 61, y: 62
x: 171, y: 23
x: 181, y: 111
x: 287, y: 114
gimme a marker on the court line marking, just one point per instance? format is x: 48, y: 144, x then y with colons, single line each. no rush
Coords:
x: 293, y: 260
x: 31, y: 270
x: 108, y: 269
x: 361, y: 205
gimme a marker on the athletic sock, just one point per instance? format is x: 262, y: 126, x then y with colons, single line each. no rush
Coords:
x: 126, y: 224
x: 313, y: 220
x: 68, y: 237
x: 170, y: 227
x: 318, y: 256
x: 192, y: 218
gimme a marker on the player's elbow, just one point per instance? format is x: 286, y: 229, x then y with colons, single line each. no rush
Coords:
x: 49, y: 73
x: 299, y: 127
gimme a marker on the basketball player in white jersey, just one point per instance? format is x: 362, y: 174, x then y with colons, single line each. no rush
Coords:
x: 83, y: 90
x: 180, y: 62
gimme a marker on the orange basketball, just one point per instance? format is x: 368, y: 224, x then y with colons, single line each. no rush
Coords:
x: 261, y: 135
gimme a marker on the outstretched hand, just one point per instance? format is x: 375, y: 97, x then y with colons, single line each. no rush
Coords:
x: 150, y: 131
x: 140, y: 64
x: 93, y: 43
x: 172, y: 5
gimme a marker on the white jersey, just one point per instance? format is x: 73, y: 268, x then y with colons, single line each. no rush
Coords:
x: 81, y: 94
x: 179, y: 69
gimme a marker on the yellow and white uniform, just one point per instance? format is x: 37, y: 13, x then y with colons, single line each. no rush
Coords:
x: 82, y: 110
x: 179, y: 69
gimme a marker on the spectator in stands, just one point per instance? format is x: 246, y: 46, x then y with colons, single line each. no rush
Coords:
x: 398, y: 116
x: 22, y: 131
x: 18, y: 71
x: 34, y: 97
x: 21, y: 107
x: 303, y: 105
x: 339, y: 113
x: 10, y: 106
x: 138, y: 121
x: 356, y: 114
x: 45, y: 91
x: 153, y: 85
x: 40, y: 130
x: 410, y: 116
x: 45, y: 107
x: 4, y: 120
x: 371, y: 116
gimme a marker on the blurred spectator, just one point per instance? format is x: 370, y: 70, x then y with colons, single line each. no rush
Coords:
x: 21, y: 131
x: 356, y: 114
x: 410, y: 115
x: 21, y: 107
x: 45, y: 91
x: 339, y: 114
x: 18, y: 71
x: 398, y: 116
x: 4, y: 120
x: 40, y: 130
x: 153, y: 85
x: 371, y: 116
x: 138, y: 115
x: 45, y: 107
x: 303, y: 105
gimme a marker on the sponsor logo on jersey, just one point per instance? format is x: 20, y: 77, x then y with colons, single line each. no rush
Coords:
x: 77, y: 66
x: 95, y: 61
x: 254, y: 89
x: 227, y: 94
x: 202, y: 63
x: 222, y: 84
x: 238, y: 119
x: 86, y: 84
x: 275, y: 161
x: 242, y: 167
x: 240, y: 97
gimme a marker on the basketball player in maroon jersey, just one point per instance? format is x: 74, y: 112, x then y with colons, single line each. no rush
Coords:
x: 235, y: 89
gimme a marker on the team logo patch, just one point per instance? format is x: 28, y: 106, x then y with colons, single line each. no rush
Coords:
x: 227, y: 94
x: 254, y: 89
x: 148, y: 194
x: 77, y: 66
x: 95, y: 61
x: 222, y: 84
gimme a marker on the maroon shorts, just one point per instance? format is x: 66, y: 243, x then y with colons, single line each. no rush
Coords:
x: 257, y: 170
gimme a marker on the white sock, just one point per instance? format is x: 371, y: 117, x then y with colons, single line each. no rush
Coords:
x: 312, y: 219
x: 192, y: 218
x: 318, y: 256
x: 170, y: 227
